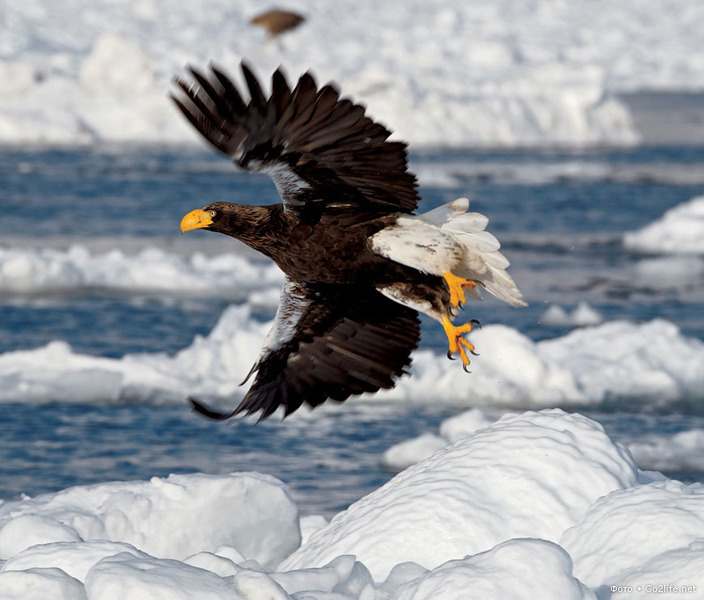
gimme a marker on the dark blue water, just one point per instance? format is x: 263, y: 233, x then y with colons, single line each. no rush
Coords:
x: 562, y: 234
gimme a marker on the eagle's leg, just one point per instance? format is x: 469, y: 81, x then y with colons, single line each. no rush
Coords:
x: 458, y: 344
x: 456, y: 285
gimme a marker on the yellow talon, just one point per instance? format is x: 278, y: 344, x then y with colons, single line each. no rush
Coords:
x: 458, y: 344
x: 457, y: 285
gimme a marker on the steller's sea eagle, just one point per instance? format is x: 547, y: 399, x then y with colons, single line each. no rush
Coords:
x: 358, y: 263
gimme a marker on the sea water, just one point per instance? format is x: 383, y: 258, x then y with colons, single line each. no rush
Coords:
x: 560, y: 215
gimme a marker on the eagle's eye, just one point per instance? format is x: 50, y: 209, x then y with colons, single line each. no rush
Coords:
x: 212, y: 214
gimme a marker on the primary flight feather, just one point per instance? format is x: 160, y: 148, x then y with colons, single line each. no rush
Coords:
x: 359, y: 264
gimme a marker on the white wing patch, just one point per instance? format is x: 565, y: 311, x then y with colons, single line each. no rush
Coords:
x: 287, y: 183
x: 292, y: 305
x: 449, y: 238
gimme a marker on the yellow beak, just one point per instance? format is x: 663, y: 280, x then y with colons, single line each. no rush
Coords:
x: 195, y: 219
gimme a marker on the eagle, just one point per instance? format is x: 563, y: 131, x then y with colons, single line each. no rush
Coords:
x: 359, y: 264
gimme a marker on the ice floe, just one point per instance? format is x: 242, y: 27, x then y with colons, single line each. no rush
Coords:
x: 679, y: 231
x: 53, y: 271
x: 582, y: 316
x: 439, y: 73
x: 651, y: 362
x: 535, y: 505
x: 681, y: 452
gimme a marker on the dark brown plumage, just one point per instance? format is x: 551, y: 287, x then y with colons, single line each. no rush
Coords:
x: 358, y: 264
x: 335, y: 334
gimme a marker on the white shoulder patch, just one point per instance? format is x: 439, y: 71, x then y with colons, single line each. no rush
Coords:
x: 416, y: 243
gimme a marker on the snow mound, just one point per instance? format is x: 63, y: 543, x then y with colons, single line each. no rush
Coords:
x: 582, y: 316
x: 679, y: 231
x: 483, y: 490
x: 666, y: 272
x: 675, y: 453
x: 614, y: 541
x: 512, y: 565
x: 439, y: 73
x: 683, y: 451
x: 30, y: 271
x: 409, y: 452
x: 652, y: 361
x: 168, y: 518
x: 536, y: 505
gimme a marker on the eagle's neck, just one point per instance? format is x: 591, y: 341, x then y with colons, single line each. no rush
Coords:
x: 252, y: 225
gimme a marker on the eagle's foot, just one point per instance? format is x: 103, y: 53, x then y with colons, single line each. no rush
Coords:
x: 456, y: 285
x: 458, y: 344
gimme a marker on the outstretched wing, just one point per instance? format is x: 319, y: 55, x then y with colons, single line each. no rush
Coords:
x: 322, y: 152
x: 328, y: 342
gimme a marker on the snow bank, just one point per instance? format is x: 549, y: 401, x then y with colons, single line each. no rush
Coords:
x: 512, y: 565
x: 35, y: 271
x: 582, y: 316
x: 168, y: 518
x: 679, y: 231
x: 667, y: 272
x: 669, y: 453
x: 536, y: 505
x: 683, y: 451
x: 615, y: 543
x: 437, y: 72
x: 652, y: 362
x: 481, y: 491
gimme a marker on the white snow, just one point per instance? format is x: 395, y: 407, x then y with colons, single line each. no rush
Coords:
x: 651, y: 361
x: 167, y: 518
x: 439, y: 73
x: 683, y: 451
x: 679, y: 231
x: 535, y: 505
x: 407, y: 453
x: 677, y: 271
x: 51, y: 271
x: 485, y: 489
x: 670, y: 453
x: 613, y: 543
x: 583, y: 315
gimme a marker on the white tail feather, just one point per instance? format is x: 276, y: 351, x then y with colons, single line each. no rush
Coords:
x: 449, y: 238
x: 482, y: 260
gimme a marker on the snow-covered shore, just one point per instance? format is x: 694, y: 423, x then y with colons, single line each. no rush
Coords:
x: 438, y: 73
x: 539, y: 504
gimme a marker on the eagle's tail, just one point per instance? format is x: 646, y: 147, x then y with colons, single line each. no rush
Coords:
x: 482, y: 260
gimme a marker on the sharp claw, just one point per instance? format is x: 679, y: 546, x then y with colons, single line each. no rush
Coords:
x: 449, y: 355
x: 465, y: 369
x: 475, y: 322
x: 474, y: 353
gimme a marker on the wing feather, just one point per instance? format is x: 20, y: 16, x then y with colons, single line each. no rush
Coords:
x: 328, y: 343
x: 305, y: 133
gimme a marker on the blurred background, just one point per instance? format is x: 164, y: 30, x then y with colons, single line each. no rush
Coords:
x: 577, y: 128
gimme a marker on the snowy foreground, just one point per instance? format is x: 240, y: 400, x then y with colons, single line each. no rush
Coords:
x: 437, y: 72
x: 537, y: 505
